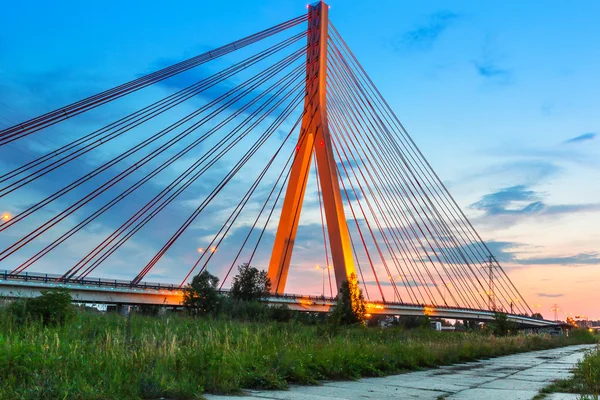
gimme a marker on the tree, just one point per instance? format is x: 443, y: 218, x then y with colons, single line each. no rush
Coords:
x: 471, y: 325
x: 537, y: 315
x: 201, y: 296
x: 350, y: 305
x: 501, y: 325
x: 250, y: 284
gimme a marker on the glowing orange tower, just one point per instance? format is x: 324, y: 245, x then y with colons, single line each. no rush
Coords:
x: 314, y: 136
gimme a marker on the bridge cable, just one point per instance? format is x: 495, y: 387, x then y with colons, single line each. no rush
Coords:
x: 444, y: 189
x: 191, y: 180
x: 108, y: 184
x: 327, y: 265
x: 33, y: 125
x: 242, y: 203
x: 360, y: 114
x: 125, y: 124
x: 199, y: 209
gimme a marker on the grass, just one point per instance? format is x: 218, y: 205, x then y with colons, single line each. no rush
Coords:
x: 107, y: 356
x: 585, y: 380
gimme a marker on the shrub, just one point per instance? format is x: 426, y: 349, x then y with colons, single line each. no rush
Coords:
x: 281, y: 313
x: 52, y: 307
x: 243, y: 310
x: 414, y: 322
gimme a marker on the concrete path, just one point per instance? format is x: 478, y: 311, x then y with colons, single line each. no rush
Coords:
x: 519, y: 376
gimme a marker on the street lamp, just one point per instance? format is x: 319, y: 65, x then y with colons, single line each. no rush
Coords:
x: 323, y: 274
x: 394, y: 289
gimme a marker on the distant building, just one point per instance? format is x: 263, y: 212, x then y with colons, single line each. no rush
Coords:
x: 557, y: 329
x: 583, y: 323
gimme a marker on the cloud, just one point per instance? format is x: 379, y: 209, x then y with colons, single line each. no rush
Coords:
x: 550, y: 295
x: 519, y: 201
x: 489, y: 67
x: 529, y: 172
x: 423, y: 36
x: 508, y: 253
x: 573, y: 260
x: 581, y: 138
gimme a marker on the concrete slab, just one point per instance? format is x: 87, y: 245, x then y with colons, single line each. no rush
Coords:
x: 563, y: 396
x: 514, y: 384
x: 493, y: 394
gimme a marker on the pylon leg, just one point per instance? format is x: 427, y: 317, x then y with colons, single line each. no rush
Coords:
x: 314, y: 136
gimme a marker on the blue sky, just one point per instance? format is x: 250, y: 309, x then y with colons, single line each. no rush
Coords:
x: 502, y: 98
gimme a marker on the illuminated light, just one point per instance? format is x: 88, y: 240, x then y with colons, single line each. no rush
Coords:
x: 367, y: 315
x: 200, y: 250
x: 322, y: 143
x: 298, y: 148
x: 329, y: 267
x: 305, y: 302
x: 376, y: 306
x: 6, y: 216
x: 318, y: 267
x: 213, y: 249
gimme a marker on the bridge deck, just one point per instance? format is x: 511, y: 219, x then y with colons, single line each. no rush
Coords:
x: 114, y: 291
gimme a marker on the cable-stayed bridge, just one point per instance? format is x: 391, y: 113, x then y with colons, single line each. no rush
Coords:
x: 275, y: 150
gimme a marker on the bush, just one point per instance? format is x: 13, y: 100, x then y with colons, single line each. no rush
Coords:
x: 52, y: 307
x: 281, y: 313
x: 414, y: 322
x: 243, y: 310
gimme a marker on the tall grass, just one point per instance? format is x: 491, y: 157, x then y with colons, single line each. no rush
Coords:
x: 585, y: 380
x: 588, y: 372
x: 107, y: 356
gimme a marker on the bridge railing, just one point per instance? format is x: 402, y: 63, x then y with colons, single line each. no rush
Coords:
x: 55, y: 278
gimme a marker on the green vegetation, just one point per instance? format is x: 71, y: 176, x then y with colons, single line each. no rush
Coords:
x: 100, y: 356
x: 501, y: 325
x: 350, y: 308
x: 585, y: 379
x: 52, y: 307
x: 201, y: 296
x: 250, y: 284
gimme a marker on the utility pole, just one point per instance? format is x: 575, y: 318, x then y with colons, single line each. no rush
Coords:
x: 491, y: 297
x: 555, y: 308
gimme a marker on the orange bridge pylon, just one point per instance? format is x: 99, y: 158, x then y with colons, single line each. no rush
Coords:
x: 314, y: 136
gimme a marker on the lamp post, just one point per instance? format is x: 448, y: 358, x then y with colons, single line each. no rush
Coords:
x: 323, y: 274
x: 394, y: 289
